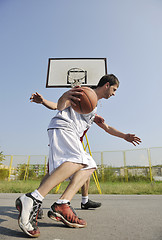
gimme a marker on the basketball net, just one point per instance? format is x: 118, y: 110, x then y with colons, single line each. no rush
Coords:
x: 76, y: 77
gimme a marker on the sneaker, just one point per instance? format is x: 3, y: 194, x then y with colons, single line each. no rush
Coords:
x: 90, y: 204
x: 28, y: 208
x: 66, y: 214
x: 40, y: 214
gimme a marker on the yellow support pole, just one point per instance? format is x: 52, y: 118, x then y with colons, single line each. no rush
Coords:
x: 88, y: 145
x: 149, y: 158
x: 10, y: 168
x: 98, y: 185
x: 26, y: 169
x: 84, y: 146
x: 57, y: 188
x: 94, y: 174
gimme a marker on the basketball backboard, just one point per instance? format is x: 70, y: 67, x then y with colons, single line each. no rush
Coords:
x: 67, y: 72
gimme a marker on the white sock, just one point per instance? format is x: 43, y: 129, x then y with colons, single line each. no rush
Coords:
x: 37, y: 195
x: 62, y: 201
x: 84, y: 199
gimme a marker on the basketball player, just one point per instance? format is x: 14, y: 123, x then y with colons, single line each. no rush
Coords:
x: 86, y: 203
x: 67, y: 159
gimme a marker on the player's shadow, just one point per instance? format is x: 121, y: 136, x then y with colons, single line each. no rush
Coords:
x: 8, y: 212
x: 80, y: 209
x: 6, y: 231
x: 5, y: 213
x: 52, y: 224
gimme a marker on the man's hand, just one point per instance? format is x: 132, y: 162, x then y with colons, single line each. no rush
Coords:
x: 99, y: 119
x: 37, y: 98
x: 69, y: 98
x: 73, y: 94
x: 132, y: 139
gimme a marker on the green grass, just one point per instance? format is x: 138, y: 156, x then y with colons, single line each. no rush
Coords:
x: 106, y: 188
x: 132, y: 188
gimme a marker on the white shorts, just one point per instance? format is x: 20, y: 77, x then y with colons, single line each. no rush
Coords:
x: 65, y: 146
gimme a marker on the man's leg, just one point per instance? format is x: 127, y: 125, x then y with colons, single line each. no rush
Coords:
x: 28, y: 204
x: 44, y: 179
x: 79, y: 178
x: 40, y: 214
x: 85, y: 188
x: 86, y: 202
x: 62, y: 173
x: 61, y: 210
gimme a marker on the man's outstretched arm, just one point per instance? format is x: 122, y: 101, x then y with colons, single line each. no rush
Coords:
x: 132, y: 138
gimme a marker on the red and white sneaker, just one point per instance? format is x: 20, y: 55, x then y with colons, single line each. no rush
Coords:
x: 66, y: 214
x: 28, y: 208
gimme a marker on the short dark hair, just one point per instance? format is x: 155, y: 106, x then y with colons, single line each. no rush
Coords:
x: 111, y: 78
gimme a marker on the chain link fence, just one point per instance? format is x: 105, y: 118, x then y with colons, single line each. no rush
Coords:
x: 117, y: 164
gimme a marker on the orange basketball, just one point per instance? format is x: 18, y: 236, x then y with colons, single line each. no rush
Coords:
x: 88, y: 101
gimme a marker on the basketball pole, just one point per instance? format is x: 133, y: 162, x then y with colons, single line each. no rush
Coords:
x: 95, y: 173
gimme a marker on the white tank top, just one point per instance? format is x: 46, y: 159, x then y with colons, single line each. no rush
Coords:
x: 70, y: 119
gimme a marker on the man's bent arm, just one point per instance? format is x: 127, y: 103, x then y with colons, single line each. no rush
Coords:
x: 38, y: 98
x: 49, y: 104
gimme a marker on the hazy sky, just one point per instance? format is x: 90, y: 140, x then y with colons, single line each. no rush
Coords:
x: 128, y: 33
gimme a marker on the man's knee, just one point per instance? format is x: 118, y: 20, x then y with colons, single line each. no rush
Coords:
x: 89, y: 172
x: 92, y: 170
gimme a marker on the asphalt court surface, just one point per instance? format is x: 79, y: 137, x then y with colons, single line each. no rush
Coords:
x: 124, y: 217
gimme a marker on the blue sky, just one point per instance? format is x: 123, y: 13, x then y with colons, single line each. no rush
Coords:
x: 128, y: 33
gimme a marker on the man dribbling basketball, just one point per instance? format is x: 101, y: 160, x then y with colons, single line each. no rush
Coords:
x: 67, y: 159
x: 86, y: 203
